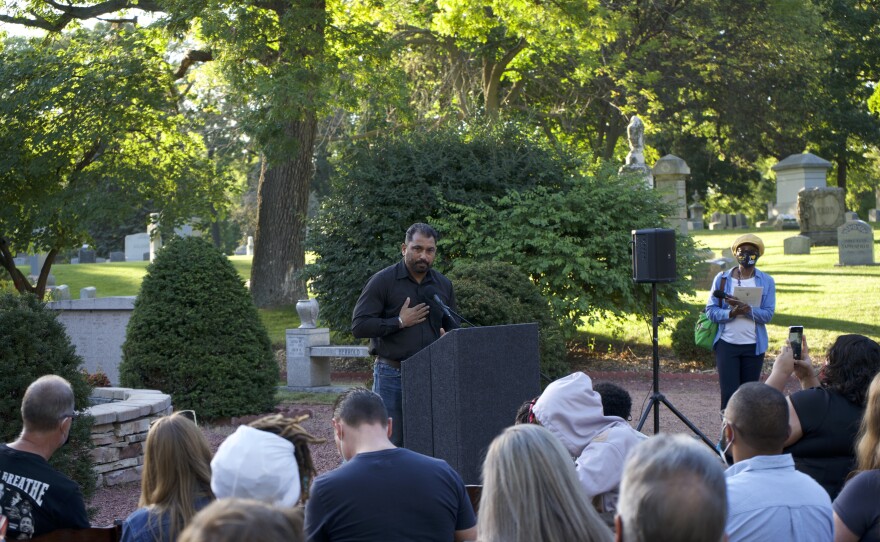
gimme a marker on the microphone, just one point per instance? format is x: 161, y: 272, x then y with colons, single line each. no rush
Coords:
x: 431, y: 293
x: 720, y: 294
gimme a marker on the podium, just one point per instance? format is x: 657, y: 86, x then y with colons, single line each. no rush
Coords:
x: 463, y: 389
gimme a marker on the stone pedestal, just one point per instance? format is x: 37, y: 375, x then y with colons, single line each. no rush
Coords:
x: 795, y: 173
x: 670, y: 173
x: 821, y: 213
x: 799, y: 244
x: 302, y: 369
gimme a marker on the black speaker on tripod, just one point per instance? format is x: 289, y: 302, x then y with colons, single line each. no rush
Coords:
x: 653, y: 254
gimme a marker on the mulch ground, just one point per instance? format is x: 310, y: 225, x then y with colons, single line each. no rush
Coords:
x: 694, y: 394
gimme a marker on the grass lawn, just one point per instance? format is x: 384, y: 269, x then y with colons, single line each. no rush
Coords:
x: 124, y: 278
x: 810, y: 291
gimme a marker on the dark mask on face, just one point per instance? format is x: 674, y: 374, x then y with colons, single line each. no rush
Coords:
x: 747, y: 259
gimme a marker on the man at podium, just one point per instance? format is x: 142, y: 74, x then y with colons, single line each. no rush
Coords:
x: 402, y: 309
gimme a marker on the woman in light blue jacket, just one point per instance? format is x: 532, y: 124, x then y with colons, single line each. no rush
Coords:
x: 741, y: 340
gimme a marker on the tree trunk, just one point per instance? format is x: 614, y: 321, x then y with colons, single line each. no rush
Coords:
x: 842, y: 164
x: 282, y: 202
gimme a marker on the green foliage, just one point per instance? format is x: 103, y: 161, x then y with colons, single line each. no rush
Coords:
x: 496, y: 293
x: 574, y: 242
x: 89, y: 132
x: 384, y: 186
x: 683, y: 340
x: 195, y: 334
x: 32, y: 344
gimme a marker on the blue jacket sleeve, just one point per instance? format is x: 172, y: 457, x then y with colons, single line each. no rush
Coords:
x: 764, y: 313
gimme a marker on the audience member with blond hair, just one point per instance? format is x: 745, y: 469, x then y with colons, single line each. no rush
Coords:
x: 531, y: 492
x: 857, y: 508
x: 175, y: 483
x: 238, y: 520
x: 267, y: 460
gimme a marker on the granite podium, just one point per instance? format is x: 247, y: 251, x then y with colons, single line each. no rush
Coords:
x: 461, y: 391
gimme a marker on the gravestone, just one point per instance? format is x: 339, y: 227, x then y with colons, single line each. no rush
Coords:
x: 136, y: 245
x: 61, y: 293
x: 89, y: 292
x: 850, y: 215
x: 74, y: 261
x: 795, y: 173
x: 820, y: 213
x: 249, y: 251
x: 741, y: 221
x: 670, y: 174
x: 117, y: 256
x: 36, y: 262
x: 87, y: 255
x: 799, y: 244
x: 874, y: 215
x: 696, y: 213
x: 155, y: 237
x: 855, y: 243
x: 20, y: 261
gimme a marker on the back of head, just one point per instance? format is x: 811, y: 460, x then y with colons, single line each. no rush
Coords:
x: 177, y: 469
x: 616, y: 401
x: 868, y: 446
x: 290, y: 429
x: 357, y: 406
x: 759, y: 414
x: 235, y: 520
x: 673, y: 489
x: 422, y: 229
x: 852, y: 361
x: 256, y: 464
x: 47, y: 401
x: 531, y: 492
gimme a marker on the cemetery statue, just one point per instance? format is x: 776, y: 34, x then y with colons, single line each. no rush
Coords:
x: 636, y: 134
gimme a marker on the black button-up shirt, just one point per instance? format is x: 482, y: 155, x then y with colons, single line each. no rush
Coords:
x: 377, y: 310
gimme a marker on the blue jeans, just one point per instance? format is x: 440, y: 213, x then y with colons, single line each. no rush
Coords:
x: 387, y: 384
x: 737, y: 364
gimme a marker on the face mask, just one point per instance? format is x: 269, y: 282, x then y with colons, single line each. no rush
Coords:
x: 747, y: 259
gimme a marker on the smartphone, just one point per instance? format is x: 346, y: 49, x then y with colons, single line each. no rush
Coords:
x: 796, y: 339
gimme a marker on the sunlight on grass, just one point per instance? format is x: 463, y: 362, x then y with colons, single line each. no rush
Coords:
x: 810, y: 290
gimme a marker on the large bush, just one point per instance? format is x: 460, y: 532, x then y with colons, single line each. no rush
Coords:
x: 32, y: 344
x: 494, y: 293
x: 382, y: 187
x: 574, y: 241
x: 195, y: 334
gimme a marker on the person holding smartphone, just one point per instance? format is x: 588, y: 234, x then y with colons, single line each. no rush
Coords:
x: 741, y: 340
x: 824, y: 415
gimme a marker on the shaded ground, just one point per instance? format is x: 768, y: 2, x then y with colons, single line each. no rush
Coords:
x: 694, y: 394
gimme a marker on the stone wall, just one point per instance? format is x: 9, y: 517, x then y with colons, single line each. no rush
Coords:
x: 122, y: 420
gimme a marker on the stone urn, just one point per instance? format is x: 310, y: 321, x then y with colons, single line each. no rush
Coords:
x: 308, y: 313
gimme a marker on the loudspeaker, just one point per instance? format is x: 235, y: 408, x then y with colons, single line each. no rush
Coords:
x: 653, y: 254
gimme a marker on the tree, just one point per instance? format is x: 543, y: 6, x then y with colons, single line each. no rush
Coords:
x: 88, y: 130
x: 196, y: 335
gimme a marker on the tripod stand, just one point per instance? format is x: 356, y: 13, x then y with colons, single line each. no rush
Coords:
x: 657, y: 397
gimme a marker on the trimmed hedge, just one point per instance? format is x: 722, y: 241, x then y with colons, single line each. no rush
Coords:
x: 33, y: 344
x: 196, y: 334
x: 496, y: 293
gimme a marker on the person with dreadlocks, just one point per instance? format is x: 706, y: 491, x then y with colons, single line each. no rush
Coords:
x: 267, y: 460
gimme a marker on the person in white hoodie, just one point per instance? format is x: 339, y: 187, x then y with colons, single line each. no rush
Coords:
x: 571, y: 410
